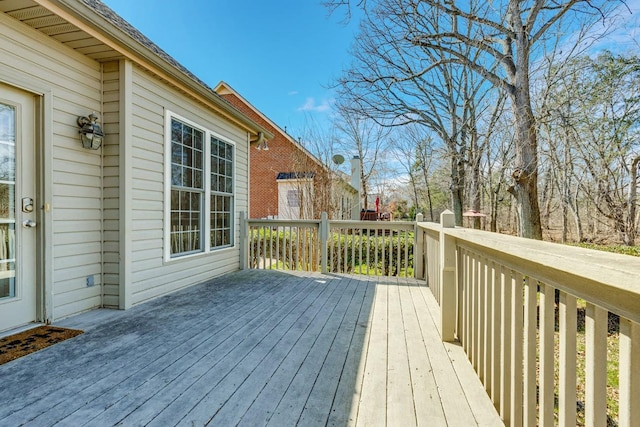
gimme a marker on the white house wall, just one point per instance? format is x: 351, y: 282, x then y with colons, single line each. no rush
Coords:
x: 151, y: 276
x: 73, y: 186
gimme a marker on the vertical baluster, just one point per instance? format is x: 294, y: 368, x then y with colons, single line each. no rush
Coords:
x: 567, y: 363
x: 360, y: 255
x: 406, y: 254
x: 473, y: 326
x: 291, y: 260
x: 375, y: 253
x: 263, y: 249
x: 345, y: 261
x: 398, y: 264
x: 488, y: 321
x: 547, y: 354
x: 383, y: 254
x: 629, y: 371
x: 596, y: 366
x: 330, y: 240
x: 302, y: 248
x: 476, y: 311
x: 465, y: 310
x: 505, y: 347
x: 529, y: 356
x: 278, y: 255
x: 496, y: 338
x: 270, y: 248
x: 462, y: 288
x: 482, y: 315
x: 355, y: 246
x: 516, y: 349
x: 339, y: 250
x: 250, y: 247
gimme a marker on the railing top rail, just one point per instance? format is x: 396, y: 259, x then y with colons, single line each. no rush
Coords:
x: 374, y: 225
x: 609, y: 280
x: 432, y: 227
x: 285, y: 222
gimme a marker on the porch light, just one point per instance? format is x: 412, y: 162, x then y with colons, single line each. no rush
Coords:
x: 91, y: 133
x: 262, y: 142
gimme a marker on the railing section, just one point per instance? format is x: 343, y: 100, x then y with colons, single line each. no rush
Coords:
x: 362, y: 247
x: 552, y: 331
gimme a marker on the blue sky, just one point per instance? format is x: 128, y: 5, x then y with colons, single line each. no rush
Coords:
x: 281, y: 55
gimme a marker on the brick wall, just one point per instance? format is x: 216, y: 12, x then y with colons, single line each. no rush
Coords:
x: 282, y: 156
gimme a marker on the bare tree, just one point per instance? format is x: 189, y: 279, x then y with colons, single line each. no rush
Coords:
x: 496, y: 40
x: 413, y: 149
x: 388, y: 84
x: 367, y: 140
x: 591, y: 122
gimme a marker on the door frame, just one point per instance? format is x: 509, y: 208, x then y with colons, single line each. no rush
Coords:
x: 43, y: 146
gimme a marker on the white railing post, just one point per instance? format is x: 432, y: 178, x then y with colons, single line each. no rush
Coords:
x: 244, y: 240
x: 324, y: 237
x: 418, y: 245
x: 447, y: 277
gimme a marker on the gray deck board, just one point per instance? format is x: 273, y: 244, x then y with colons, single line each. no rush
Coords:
x: 254, y: 348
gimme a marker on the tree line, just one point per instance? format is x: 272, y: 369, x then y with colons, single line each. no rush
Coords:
x: 511, y: 108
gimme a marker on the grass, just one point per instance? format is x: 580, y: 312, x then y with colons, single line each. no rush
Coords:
x: 618, y: 249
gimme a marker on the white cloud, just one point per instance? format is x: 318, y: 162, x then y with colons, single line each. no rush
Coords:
x: 293, y: 92
x: 310, y: 105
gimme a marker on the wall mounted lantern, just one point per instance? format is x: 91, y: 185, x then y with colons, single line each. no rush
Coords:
x: 262, y: 142
x: 91, y: 133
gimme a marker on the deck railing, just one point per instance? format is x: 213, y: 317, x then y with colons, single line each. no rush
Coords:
x: 337, y: 246
x: 552, y: 331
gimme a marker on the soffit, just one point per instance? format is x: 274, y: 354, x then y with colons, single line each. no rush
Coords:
x: 125, y: 42
x: 43, y: 20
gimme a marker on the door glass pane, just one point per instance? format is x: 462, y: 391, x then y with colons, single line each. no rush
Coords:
x: 7, y: 201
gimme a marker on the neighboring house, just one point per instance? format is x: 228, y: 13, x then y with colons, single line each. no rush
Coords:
x: 286, y: 180
x: 153, y: 210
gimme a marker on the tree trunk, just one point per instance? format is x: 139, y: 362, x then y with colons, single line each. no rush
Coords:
x: 525, y: 174
x: 630, y: 228
x: 457, y: 188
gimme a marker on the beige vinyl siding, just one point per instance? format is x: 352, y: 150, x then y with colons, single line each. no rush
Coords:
x: 151, y: 275
x: 34, y: 62
x: 110, y: 180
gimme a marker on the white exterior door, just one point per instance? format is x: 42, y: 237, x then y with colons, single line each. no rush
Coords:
x: 18, y: 297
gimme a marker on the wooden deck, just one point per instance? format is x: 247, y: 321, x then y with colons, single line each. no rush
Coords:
x: 255, y: 348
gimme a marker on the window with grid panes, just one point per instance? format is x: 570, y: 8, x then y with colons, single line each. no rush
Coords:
x: 187, y: 188
x: 221, y: 182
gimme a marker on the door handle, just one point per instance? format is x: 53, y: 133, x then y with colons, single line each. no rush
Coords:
x: 28, y: 223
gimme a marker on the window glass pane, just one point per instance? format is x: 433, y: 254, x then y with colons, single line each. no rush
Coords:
x: 7, y: 161
x: 176, y: 131
x: 185, y: 223
x: 197, y: 140
x: 221, y: 221
x: 187, y: 133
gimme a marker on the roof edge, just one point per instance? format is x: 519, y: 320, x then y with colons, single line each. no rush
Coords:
x: 87, y: 16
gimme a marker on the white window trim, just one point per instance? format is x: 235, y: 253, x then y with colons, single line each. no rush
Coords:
x: 206, y: 217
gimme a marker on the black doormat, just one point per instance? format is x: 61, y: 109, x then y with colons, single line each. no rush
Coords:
x: 35, y: 339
